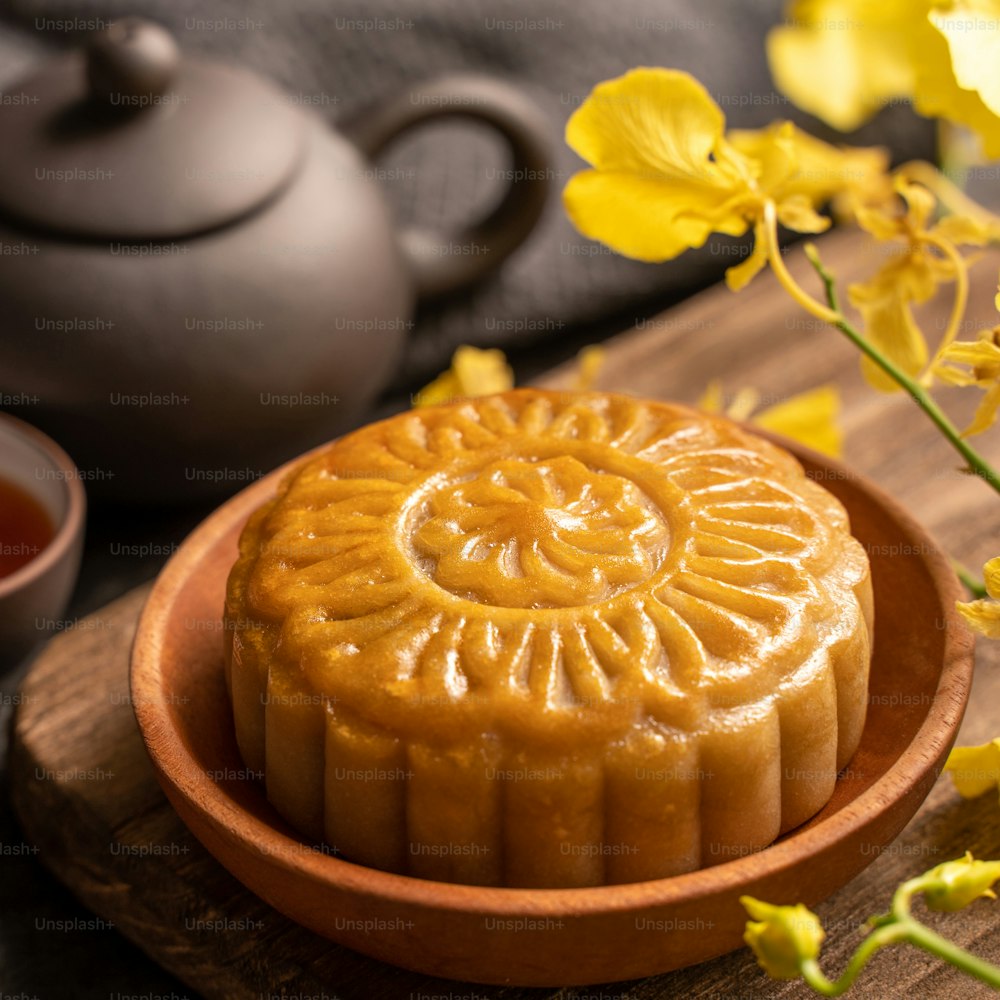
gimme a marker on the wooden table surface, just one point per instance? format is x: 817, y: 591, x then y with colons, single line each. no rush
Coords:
x: 193, y: 918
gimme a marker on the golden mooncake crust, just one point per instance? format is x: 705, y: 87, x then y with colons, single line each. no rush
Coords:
x: 549, y: 639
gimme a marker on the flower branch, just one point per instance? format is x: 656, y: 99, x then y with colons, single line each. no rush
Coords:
x: 787, y: 939
x: 976, y: 463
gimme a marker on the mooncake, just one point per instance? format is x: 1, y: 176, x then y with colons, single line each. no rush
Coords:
x: 548, y: 639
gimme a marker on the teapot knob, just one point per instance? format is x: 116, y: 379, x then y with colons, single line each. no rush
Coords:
x: 131, y: 61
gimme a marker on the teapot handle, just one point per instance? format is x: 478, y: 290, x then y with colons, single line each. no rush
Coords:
x: 443, y: 262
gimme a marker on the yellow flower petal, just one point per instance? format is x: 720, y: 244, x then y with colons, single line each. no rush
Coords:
x: 975, y: 770
x: 991, y: 577
x: 810, y: 417
x: 920, y: 203
x: 850, y: 176
x: 651, y: 121
x: 645, y: 218
x: 711, y: 398
x: 972, y: 30
x: 740, y: 275
x: 590, y: 360
x: 982, y: 356
x: 442, y: 390
x: 986, y: 412
x: 885, y: 221
x: 959, y: 229
x: 473, y: 372
x: 976, y: 353
x: 953, y: 376
x: 982, y: 617
x: 937, y: 90
x: 743, y: 403
x: 884, y: 304
x: 774, y: 161
x: 843, y: 59
x: 875, y: 220
x: 664, y: 176
x: 481, y: 373
x: 796, y: 212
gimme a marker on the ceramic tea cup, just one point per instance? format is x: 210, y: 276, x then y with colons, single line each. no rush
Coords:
x: 37, y: 479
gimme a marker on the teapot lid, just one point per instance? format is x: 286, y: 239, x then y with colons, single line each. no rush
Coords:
x: 127, y: 140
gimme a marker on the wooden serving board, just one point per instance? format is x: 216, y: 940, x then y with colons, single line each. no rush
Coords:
x: 86, y: 796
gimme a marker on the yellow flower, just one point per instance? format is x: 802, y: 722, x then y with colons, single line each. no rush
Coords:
x: 849, y: 177
x: 590, y: 361
x: 473, y: 372
x: 844, y: 60
x: 743, y: 403
x: 810, y: 417
x: 665, y: 176
x: 956, y: 67
x: 982, y: 358
x: 477, y: 372
x: 954, y: 884
x: 975, y: 770
x: 911, y: 276
x: 783, y: 937
x: 983, y: 616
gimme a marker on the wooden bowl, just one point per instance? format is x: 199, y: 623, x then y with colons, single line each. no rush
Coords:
x: 920, y: 678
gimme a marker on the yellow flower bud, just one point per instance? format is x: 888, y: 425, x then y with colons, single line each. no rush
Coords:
x: 955, y: 884
x: 783, y: 937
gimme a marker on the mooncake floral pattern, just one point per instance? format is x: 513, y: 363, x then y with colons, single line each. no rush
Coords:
x: 583, y: 556
x: 541, y: 534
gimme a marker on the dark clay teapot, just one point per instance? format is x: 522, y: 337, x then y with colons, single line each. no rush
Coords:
x: 198, y: 278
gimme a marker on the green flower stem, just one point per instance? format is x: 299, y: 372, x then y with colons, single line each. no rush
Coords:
x: 976, y: 463
x: 924, y: 937
x: 813, y: 974
x: 970, y: 581
x: 909, y: 931
x: 897, y: 927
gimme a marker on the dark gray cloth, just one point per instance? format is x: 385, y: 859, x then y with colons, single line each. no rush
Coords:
x: 559, y: 290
